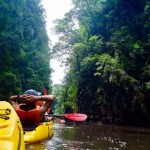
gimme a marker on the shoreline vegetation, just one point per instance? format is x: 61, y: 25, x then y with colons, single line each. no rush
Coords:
x: 105, y: 46
x: 109, y: 60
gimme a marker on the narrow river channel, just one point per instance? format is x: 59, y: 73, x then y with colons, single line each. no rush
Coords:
x: 95, y: 137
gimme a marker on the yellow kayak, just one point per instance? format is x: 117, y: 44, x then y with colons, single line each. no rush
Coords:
x: 11, y: 132
x: 41, y: 132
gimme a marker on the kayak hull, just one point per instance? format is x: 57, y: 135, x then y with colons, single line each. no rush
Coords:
x: 11, y: 131
x: 42, y: 132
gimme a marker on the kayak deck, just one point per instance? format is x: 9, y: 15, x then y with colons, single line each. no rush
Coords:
x: 35, y: 133
x: 11, y: 132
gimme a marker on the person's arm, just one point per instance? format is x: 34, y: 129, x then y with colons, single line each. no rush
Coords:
x: 13, y: 100
x: 48, y: 99
x: 32, y: 98
x: 48, y: 102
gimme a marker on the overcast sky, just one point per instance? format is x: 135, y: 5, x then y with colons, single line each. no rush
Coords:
x: 55, y: 9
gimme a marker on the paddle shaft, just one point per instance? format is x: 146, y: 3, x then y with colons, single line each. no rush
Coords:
x: 71, y: 116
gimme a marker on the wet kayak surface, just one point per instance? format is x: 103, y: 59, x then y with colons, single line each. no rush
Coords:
x: 91, y: 136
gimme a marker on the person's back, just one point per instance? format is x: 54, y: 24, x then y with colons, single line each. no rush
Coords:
x: 28, y: 115
x: 29, y: 111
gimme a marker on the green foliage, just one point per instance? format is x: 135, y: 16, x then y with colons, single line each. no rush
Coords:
x: 58, y: 91
x: 108, y: 58
x: 69, y: 107
x: 24, y: 50
x: 9, y: 85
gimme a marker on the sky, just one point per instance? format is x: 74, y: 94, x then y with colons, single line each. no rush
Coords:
x: 55, y: 9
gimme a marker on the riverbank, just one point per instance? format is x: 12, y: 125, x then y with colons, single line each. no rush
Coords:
x: 119, y: 121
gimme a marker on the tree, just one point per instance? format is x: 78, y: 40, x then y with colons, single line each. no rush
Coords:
x: 24, y: 47
x: 108, y: 58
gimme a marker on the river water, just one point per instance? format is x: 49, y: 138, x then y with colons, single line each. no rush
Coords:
x: 90, y: 136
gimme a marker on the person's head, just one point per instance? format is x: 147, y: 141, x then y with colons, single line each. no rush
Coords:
x: 32, y: 92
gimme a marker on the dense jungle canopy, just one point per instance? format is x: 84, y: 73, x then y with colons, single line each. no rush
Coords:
x: 107, y: 45
x: 104, y: 44
x: 24, y: 50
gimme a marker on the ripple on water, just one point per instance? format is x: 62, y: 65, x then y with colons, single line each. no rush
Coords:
x: 91, y: 137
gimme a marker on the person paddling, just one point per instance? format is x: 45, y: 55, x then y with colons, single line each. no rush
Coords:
x: 28, y: 110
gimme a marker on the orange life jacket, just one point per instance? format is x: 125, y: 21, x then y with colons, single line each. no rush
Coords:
x: 40, y: 103
x: 31, y: 116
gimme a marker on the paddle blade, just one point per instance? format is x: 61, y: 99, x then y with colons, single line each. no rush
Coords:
x: 61, y: 121
x: 76, y: 116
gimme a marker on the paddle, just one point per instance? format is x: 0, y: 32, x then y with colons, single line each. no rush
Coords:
x: 72, y: 116
x: 61, y: 120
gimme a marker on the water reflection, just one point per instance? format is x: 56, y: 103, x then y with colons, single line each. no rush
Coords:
x: 95, y: 137
x: 36, y: 146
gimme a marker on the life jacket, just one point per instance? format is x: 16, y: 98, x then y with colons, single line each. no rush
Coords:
x: 30, y: 116
x: 40, y: 103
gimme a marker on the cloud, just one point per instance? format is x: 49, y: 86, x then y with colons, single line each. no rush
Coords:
x: 55, y: 9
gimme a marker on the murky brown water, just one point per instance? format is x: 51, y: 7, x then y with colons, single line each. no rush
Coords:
x: 95, y: 137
